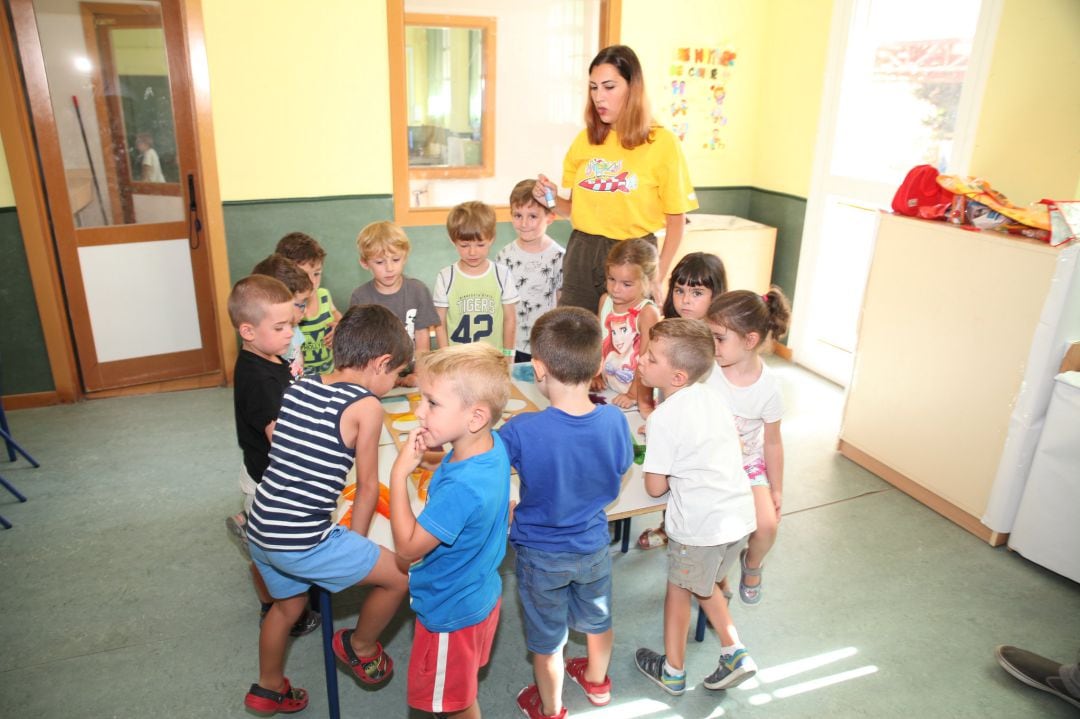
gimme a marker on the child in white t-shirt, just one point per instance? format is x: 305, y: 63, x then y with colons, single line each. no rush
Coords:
x: 741, y: 322
x: 535, y: 262
x: 693, y: 453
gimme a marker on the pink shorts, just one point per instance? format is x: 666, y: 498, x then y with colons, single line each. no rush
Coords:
x: 443, y: 665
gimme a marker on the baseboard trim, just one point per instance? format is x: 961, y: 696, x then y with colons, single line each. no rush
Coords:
x: 30, y: 400
x: 916, y: 491
x: 213, y: 379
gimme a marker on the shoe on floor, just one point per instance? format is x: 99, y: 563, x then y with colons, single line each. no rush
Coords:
x: 369, y: 670
x: 308, y: 622
x: 651, y: 665
x: 236, y: 525
x: 1036, y: 671
x: 748, y: 594
x: 598, y: 694
x: 731, y: 671
x: 528, y: 700
x: 264, y: 701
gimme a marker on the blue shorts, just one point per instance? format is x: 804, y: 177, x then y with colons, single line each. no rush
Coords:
x: 340, y: 561
x: 560, y: 590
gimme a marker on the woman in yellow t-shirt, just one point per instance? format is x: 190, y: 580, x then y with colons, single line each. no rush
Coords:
x: 627, y: 178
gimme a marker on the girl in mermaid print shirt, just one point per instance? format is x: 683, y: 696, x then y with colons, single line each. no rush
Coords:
x: 626, y: 313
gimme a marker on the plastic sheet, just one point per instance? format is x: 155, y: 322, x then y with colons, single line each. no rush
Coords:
x: 1059, y: 324
x: 1047, y: 526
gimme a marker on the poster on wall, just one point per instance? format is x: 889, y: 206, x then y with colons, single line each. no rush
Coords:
x: 697, y: 85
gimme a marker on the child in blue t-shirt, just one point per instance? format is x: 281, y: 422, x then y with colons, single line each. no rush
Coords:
x: 560, y: 529
x: 459, y: 539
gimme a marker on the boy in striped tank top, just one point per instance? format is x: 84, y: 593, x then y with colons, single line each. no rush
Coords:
x: 326, y: 424
x: 459, y: 539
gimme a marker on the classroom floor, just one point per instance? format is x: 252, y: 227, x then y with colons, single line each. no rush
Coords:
x: 121, y: 596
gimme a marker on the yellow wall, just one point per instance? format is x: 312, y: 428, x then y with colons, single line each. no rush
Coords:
x: 139, y: 51
x: 7, y: 195
x: 300, y: 97
x: 1028, y: 139
x: 655, y: 35
x: 792, y: 79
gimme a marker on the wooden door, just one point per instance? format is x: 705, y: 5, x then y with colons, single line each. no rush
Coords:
x: 109, y: 91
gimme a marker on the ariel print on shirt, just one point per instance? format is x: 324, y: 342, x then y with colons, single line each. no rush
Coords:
x: 607, y: 176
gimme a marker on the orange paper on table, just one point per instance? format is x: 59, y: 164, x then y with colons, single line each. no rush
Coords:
x: 382, y: 505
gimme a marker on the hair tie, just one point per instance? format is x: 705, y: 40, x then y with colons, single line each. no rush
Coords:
x: 765, y: 298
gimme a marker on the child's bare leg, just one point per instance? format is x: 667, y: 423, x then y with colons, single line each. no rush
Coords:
x: 548, y: 670
x: 763, y: 538
x: 389, y: 585
x: 260, y: 586
x: 676, y: 624
x: 716, y: 609
x: 273, y: 637
x: 598, y: 648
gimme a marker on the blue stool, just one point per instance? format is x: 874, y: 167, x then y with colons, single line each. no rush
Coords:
x: 327, y: 610
x: 12, y: 445
x: 12, y: 448
x: 18, y: 495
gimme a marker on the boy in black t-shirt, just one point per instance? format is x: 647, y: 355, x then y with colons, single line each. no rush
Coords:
x: 261, y: 310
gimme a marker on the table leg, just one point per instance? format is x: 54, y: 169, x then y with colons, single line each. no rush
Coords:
x: 625, y: 534
x: 327, y: 610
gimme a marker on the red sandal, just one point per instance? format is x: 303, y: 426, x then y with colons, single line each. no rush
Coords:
x: 369, y: 670
x: 262, y: 700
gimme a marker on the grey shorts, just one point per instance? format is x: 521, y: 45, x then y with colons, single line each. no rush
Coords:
x: 698, y: 569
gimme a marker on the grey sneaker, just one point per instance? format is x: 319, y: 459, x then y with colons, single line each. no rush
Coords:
x: 1036, y: 671
x: 731, y: 671
x: 651, y: 665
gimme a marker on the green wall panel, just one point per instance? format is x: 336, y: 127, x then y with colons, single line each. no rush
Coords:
x: 22, y: 345
x: 254, y: 227
x: 786, y: 213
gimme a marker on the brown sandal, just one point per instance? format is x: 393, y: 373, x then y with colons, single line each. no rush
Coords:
x: 652, y: 538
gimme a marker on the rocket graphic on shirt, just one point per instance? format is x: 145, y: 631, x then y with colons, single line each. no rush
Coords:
x: 607, y: 176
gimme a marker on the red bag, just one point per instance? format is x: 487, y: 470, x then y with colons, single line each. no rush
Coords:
x: 920, y: 195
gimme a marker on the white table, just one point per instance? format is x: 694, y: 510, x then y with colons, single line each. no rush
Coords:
x: 632, y: 500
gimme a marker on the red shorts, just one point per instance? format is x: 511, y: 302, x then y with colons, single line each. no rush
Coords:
x: 443, y: 666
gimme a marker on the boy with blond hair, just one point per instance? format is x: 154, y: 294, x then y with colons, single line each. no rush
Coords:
x: 384, y: 249
x: 459, y: 539
x: 535, y: 261
x: 560, y: 529
x: 319, y: 316
x: 473, y: 295
x: 692, y: 451
x: 327, y: 425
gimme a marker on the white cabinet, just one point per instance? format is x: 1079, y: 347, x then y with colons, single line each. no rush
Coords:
x: 946, y: 328
x: 746, y: 247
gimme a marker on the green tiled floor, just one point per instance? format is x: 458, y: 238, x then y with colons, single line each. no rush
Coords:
x: 120, y: 595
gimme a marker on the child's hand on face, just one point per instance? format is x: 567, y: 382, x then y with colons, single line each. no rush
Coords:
x: 411, y: 454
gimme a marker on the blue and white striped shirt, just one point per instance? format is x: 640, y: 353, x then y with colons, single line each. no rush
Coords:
x: 308, y: 464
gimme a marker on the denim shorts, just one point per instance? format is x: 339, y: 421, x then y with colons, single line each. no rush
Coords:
x: 561, y: 590
x: 339, y: 561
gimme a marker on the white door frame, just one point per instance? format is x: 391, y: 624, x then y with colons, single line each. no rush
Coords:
x: 960, y: 158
